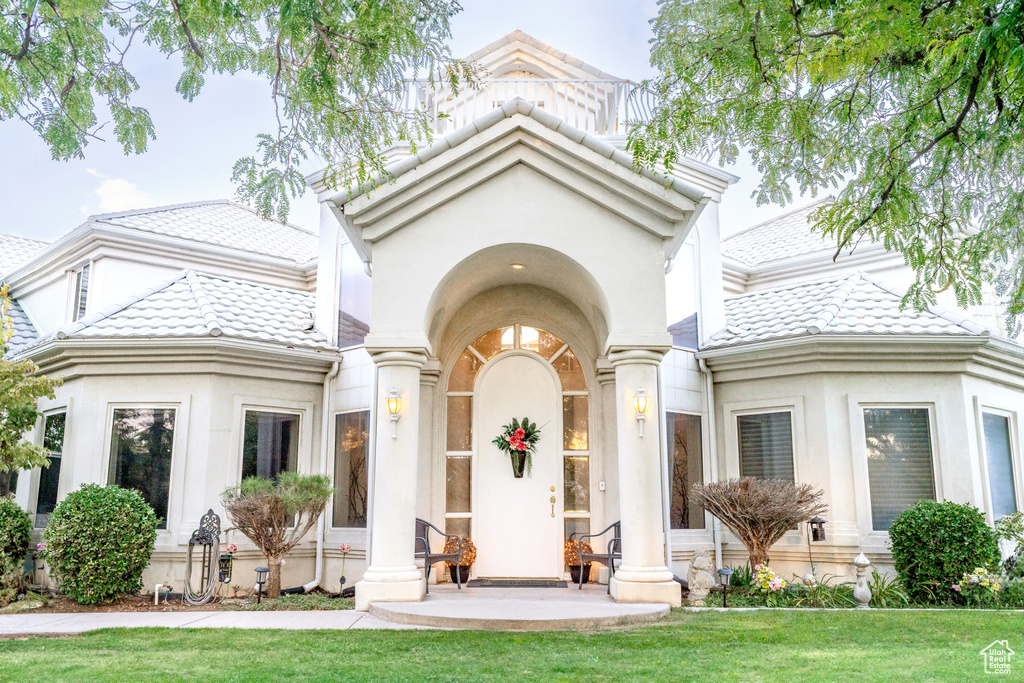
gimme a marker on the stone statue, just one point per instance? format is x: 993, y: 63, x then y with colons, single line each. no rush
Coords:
x: 700, y: 577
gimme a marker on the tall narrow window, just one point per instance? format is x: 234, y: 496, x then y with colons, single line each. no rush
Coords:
x: 271, y: 444
x: 1000, y: 464
x: 899, y: 450
x: 766, y: 445
x: 142, y: 440
x: 686, y: 468
x: 81, y: 293
x: 352, y: 430
x: 49, y: 477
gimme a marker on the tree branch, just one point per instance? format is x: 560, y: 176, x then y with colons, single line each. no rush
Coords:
x: 188, y: 33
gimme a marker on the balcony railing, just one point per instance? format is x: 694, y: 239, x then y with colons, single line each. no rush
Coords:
x: 599, y: 107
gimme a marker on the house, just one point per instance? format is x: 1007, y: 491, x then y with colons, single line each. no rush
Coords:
x: 517, y: 266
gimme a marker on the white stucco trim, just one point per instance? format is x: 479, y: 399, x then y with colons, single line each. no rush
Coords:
x: 1016, y: 449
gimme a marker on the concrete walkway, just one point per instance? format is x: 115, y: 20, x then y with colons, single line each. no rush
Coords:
x: 28, y: 624
x: 490, y: 609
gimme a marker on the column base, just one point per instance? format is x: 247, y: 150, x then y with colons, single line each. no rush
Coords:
x: 635, y: 591
x: 390, y: 591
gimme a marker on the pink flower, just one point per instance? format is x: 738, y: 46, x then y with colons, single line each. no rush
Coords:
x: 775, y: 585
x: 956, y: 587
x: 520, y: 446
x: 232, y: 548
x: 345, y: 547
x: 514, y: 442
x: 520, y: 434
x: 40, y: 547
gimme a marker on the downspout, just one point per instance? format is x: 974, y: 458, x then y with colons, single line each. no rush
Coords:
x: 709, y: 392
x: 325, y: 441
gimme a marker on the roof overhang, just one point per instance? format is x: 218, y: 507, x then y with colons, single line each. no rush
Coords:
x: 519, y: 133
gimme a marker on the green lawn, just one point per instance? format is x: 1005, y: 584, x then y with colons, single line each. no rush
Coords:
x: 762, y: 645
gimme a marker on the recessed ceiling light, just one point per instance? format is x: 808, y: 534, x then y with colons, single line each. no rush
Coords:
x: 518, y: 266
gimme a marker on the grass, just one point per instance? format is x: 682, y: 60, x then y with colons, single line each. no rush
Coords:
x: 749, y: 646
x: 300, y: 603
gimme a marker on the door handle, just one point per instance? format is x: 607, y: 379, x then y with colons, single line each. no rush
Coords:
x: 552, y: 506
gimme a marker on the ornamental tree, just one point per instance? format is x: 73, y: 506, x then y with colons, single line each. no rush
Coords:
x: 335, y: 71
x: 20, y: 387
x: 759, y: 511
x: 275, y: 515
x: 916, y: 106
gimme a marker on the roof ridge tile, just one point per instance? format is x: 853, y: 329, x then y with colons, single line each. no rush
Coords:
x: 213, y: 325
x: 833, y: 305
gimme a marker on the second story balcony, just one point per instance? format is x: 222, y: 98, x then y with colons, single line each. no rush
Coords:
x: 597, y: 107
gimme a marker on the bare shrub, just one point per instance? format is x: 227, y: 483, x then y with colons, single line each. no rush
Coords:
x: 276, y: 515
x: 759, y: 511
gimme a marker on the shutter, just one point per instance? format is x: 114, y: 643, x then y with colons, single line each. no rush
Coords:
x: 766, y: 445
x: 899, y: 451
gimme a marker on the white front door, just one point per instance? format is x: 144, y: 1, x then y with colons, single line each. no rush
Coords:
x: 517, y: 530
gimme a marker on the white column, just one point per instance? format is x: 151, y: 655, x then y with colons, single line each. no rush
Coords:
x: 643, y: 576
x: 392, y: 575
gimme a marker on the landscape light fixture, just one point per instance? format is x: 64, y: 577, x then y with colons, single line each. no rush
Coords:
x: 724, y: 574
x: 261, y: 578
x: 394, y: 403
x: 640, y: 402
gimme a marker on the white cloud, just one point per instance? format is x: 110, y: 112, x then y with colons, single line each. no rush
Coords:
x: 118, y: 194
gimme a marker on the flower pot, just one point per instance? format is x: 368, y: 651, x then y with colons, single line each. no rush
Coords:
x: 574, y: 573
x: 459, y: 574
x: 518, y: 464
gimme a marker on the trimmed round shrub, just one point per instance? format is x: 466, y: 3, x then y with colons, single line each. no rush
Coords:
x: 934, y: 544
x: 98, y: 542
x: 15, y: 530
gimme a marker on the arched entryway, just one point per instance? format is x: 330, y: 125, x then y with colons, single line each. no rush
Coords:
x: 518, y: 525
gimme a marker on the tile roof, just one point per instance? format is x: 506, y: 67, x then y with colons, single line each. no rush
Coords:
x: 851, y: 305
x: 193, y: 305
x: 24, y: 331
x: 780, y: 238
x: 15, y: 250
x: 221, y: 223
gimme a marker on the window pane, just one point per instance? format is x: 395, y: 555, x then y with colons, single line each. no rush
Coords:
x: 460, y: 423
x: 458, y: 484
x: 1000, y: 464
x: 899, y: 453
x: 49, y: 477
x: 271, y: 444
x: 458, y: 526
x: 140, y: 454
x: 576, y: 471
x: 766, y: 446
x: 9, y: 478
x: 686, y: 464
x: 582, y: 526
x: 494, y: 342
x: 53, y: 433
x: 575, y: 423
x: 539, y: 341
x: 464, y: 373
x: 570, y: 372
x: 352, y: 430
x: 81, y: 292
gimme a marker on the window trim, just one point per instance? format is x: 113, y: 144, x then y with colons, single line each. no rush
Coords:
x: 705, y: 467
x: 333, y: 451
x: 1015, y: 454
x: 878, y: 540
x: 179, y: 447
x: 304, y: 454
x: 794, y: 405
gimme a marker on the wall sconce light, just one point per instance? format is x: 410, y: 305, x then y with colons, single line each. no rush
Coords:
x: 640, y: 402
x: 818, y: 528
x: 394, y: 403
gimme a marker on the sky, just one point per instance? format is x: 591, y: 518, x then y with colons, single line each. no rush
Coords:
x: 198, y: 143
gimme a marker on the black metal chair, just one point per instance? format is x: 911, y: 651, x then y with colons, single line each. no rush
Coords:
x: 607, y: 558
x: 423, y: 528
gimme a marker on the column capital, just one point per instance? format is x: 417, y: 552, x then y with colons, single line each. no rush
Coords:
x: 605, y: 371
x: 628, y: 355
x: 430, y: 373
x: 413, y: 357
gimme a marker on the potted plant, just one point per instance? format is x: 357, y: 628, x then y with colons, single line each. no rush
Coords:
x: 572, y: 558
x: 461, y: 570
